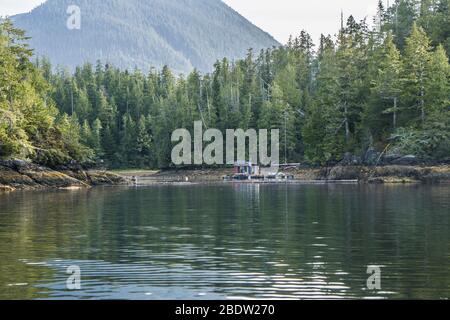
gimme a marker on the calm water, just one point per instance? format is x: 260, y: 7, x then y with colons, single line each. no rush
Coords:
x: 227, y: 242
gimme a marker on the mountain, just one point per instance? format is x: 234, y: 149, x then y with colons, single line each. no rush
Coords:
x: 183, y: 34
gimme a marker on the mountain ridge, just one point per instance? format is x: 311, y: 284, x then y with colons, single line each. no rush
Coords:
x: 183, y: 34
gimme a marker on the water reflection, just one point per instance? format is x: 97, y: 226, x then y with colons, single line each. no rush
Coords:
x: 227, y: 241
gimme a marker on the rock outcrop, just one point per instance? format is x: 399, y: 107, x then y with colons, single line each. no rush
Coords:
x: 375, y: 174
x: 19, y: 174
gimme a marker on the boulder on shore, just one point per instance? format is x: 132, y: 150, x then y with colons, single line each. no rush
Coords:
x: 350, y: 160
x: 409, y: 160
x: 6, y: 188
x: 371, y: 157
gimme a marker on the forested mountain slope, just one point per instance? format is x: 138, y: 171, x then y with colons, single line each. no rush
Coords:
x: 133, y: 33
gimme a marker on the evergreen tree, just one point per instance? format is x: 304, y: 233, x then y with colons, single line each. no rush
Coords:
x: 385, y: 89
x: 438, y: 85
x: 417, y: 72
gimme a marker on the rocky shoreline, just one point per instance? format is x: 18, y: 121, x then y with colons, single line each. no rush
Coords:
x: 379, y: 174
x: 388, y: 174
x: 372, y: 167
x: 22, y: 175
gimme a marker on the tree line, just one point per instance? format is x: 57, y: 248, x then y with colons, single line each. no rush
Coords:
x: 384, y: 87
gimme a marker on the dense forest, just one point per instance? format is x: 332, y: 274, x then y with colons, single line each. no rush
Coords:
x: 385, y: 88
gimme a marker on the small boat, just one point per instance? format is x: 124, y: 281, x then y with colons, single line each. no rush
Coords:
x: 246, y: 171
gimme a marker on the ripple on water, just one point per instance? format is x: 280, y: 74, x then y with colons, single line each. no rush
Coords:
x: 295, y: 242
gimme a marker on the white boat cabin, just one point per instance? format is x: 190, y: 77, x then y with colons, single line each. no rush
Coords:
x: 246, y: 168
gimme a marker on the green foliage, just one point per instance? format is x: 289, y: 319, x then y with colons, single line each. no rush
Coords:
x: 27, y: 116
x: 355, y: 92
x: 432, y: 142
x: 386, y: 68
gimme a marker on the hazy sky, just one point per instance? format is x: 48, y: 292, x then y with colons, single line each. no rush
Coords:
x: 281, y: 18
x: 278, y: 17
